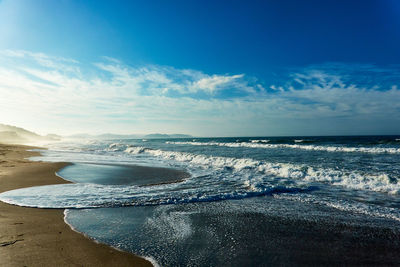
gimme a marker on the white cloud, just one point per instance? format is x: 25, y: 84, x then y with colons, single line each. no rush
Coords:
x: 50, y: 94
x: 212, y: 83
x: 161, y: 80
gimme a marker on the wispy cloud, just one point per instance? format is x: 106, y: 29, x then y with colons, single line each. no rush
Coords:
x: 212, y: 83
x: 153, y: 79
x: 55, y: 94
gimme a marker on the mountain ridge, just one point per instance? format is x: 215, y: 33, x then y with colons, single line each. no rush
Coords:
x: 16, y: 135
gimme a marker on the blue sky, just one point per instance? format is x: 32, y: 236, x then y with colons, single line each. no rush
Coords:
x: 220, y: 68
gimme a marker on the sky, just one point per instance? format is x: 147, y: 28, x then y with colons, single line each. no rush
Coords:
x: 206, y: 68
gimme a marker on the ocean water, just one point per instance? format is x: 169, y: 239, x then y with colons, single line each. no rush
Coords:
x: 231, y: 201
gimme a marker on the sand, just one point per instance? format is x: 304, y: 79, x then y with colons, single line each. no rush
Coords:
x: 40, y: 237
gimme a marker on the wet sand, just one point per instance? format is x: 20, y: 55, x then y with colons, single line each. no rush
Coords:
x: 40, y: 237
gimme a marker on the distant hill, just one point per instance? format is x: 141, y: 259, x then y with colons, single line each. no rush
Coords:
x: 104, y: 136
x: 162, y: 136
x: 19, y: 131
x: 128, y: 136
x: 11, y: 137
x: 118, y: 136
x: 16, y: 135
x: 180, y: 136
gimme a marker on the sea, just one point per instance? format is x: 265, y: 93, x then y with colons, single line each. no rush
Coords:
x: 238, y: 201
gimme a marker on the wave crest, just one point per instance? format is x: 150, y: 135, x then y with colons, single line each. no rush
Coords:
x: 135, y: 149
x: 373, y: 150
x: 355, y: 180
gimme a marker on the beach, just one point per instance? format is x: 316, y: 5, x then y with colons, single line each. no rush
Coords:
x: 40, y: 237
x: 199, y: 133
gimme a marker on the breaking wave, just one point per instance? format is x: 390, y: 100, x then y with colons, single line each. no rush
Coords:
x: 260, y: 141
x: 354, y: 180
x: 374, y: 150
x: 135, y: 149
x: 214, y: 178
x: 381, y: 182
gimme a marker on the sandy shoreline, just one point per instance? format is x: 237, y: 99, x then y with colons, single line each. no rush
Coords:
x: 40, y: 237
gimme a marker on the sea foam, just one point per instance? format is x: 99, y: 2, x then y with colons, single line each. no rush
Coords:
x: 355, y: 180
x: 344, y: 205
x: 379, y: 182
x: 374, y: 150
x: 228, y: 178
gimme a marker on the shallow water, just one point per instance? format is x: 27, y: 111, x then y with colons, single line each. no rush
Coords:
x: 111, y: 174
x: 260, y: 231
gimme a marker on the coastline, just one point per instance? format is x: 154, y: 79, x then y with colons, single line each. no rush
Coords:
x: 40, y: 237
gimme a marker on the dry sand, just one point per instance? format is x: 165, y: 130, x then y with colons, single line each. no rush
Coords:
x: 40, y: 237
